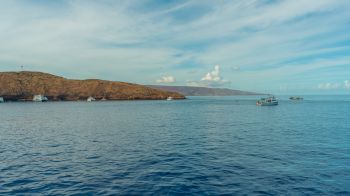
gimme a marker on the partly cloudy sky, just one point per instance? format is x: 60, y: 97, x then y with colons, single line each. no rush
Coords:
x: 271, y: 46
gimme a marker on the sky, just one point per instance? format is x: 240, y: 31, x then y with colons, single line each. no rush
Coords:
x: 268, y: 46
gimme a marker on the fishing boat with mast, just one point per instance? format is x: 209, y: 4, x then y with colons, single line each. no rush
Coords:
x: 269, y: 101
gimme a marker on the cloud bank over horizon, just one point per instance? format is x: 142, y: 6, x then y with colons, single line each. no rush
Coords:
x: 166, y: 79
x: 211, y: 79
x: 274, y: 46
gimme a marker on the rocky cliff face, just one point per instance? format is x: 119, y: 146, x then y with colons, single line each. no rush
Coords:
x: 16, y: 86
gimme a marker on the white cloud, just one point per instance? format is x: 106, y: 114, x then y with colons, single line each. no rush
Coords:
x: 167, y: 79
x: 328, y: 86
x: 213, y: 75
x: 347, y: 84
x: 211, y: 79
x: 235, y: 68
x: 117, y: 38
x: 214, y: 78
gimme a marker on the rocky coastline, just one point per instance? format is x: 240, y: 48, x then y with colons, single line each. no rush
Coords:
x: 22, y: 86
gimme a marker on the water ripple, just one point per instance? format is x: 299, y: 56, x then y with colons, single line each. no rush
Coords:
x: 201, y: 146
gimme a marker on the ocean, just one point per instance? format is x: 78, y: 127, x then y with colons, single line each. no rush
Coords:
x: 198, y: 146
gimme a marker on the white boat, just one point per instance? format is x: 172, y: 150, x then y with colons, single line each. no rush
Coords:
x: 169, y: 98
x: 2, y: 99
x: 269, y: 101
x: 89, y: 99
x: 296, y: 98
x: 40, y: 98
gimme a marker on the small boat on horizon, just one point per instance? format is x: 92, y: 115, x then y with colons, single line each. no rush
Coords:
x: 40, y: 98
x: 169, y: 99
x: 297, y: 98
x: 269, y: 101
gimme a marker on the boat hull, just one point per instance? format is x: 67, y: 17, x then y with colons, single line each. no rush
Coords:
x: 267, y: 104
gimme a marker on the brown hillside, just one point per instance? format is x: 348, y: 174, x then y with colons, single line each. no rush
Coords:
x: 23, y: 85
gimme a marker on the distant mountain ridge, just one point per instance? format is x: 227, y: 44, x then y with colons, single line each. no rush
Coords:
x: 202, y: 91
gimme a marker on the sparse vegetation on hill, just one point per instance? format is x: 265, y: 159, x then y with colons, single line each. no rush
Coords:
x: 16, y: 86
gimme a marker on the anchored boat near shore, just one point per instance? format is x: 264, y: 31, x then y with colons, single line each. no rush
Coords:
x: 40, y: 98
x: 90, y: 99
x: 269, y: 101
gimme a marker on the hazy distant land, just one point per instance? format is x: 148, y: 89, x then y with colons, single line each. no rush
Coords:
x: 202, y: 91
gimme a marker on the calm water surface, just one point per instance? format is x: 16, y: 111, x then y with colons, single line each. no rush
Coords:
x: 202, y: 146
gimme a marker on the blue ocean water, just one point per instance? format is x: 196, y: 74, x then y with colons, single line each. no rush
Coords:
x: 201, y: 146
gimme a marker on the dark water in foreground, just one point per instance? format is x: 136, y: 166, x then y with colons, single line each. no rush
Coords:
x: 203, y: 146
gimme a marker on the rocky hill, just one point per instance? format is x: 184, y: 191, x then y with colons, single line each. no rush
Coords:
x: 202, y: 91
x: 16, y: 86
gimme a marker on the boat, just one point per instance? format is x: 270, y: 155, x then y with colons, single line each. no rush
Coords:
x: 89, y: 99
x: 169, y: 98
x: 297, y: 98
x: 2, y: 100
x: 40, y: 98
x: 269, y: 101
